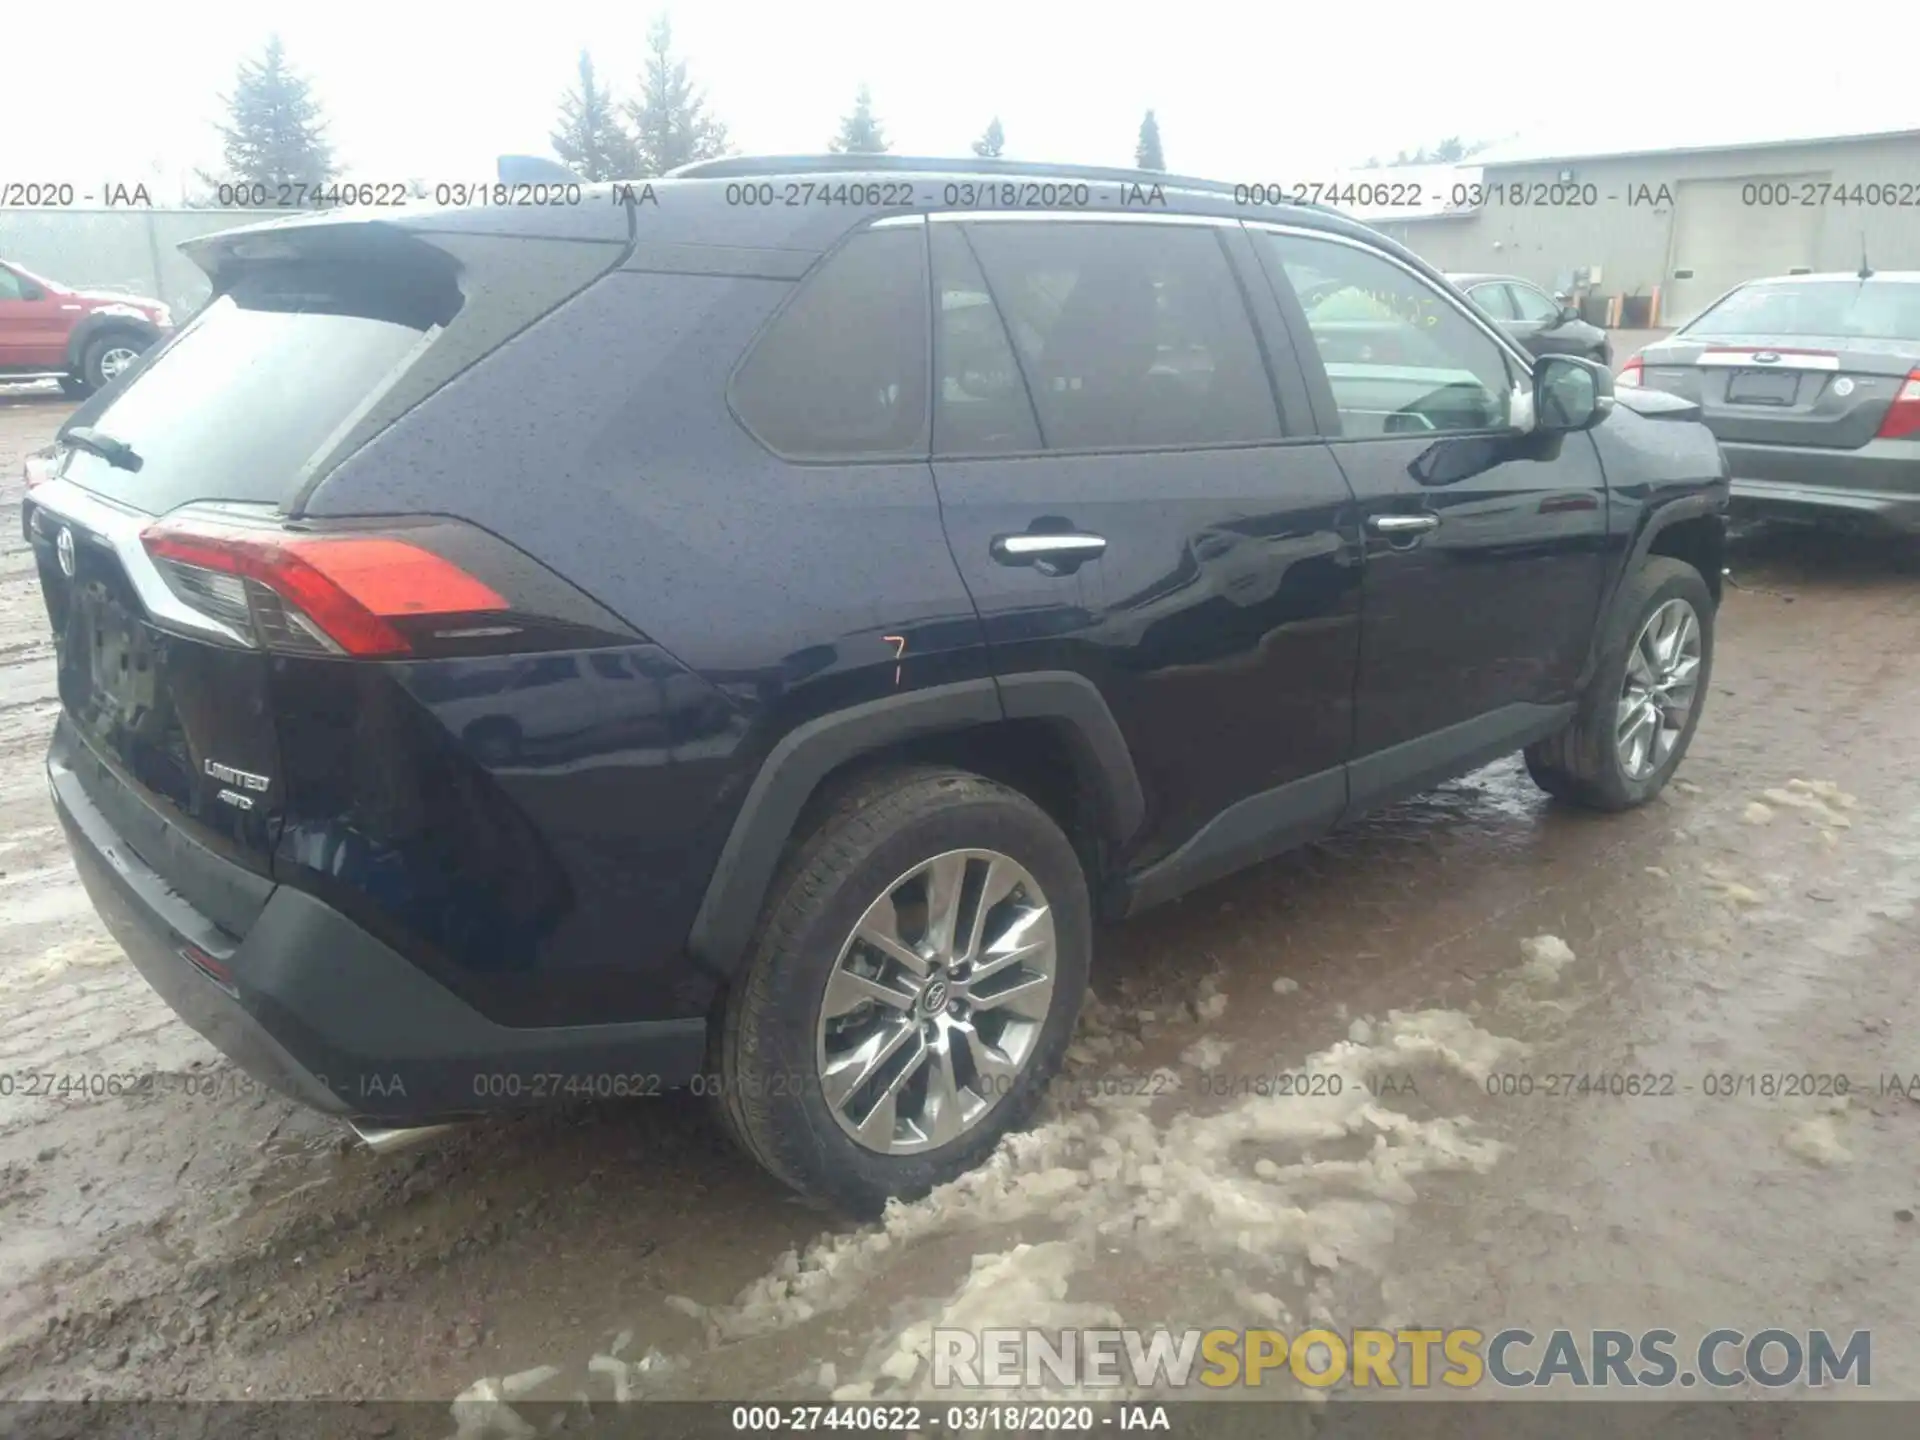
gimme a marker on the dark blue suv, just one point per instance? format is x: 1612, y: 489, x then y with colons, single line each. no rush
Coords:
x: 744, y: 630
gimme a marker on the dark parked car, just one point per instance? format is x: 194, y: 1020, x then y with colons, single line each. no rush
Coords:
x: 946, y: 576
x: 1812, y: 384
x: 1544, y: 324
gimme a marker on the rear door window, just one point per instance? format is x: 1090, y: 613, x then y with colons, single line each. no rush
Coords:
x: 981, y: 406
x: 841, y: 374
x: 1129, y: 336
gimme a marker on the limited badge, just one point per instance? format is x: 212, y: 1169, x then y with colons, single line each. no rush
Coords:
x: 1843, y: 386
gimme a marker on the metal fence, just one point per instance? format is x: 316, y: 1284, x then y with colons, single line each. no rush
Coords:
x: 132, y: 250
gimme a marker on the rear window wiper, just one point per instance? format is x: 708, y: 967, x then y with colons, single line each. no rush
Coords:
x: 116, y: 453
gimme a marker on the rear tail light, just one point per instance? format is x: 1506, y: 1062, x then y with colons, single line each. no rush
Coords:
x: 361, y: 593
x: 1629, y: 374
x: 1903, y: 416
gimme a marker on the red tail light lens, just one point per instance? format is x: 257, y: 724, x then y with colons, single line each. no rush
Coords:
x: 314, y: 594
x: 1629, y: 374
x: 1903, y: 416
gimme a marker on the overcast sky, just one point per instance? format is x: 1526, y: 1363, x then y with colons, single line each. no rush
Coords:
x: 1244, y: 90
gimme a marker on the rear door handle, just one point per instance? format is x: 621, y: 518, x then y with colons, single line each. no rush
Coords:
x: 1052, y: 553
x: 1020, y: 548
x: 1402, y: 526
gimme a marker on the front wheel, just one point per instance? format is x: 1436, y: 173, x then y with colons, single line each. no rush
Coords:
x: 912, y: 989
x: 1639, y: 711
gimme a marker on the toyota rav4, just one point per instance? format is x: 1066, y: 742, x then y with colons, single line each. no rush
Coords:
x: 680, y: 641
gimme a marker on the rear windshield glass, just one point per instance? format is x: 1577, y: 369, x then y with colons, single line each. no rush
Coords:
x: 1866, y: 310
x: 256, y: 386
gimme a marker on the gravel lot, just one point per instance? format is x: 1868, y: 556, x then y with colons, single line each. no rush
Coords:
x: 204, y: 1239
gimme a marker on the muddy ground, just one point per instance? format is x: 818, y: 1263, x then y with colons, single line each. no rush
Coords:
x: 203, y: 1239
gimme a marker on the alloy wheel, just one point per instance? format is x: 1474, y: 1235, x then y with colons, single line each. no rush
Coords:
x: 936, y: 1002
x: 116, y: 360
x: 1661, y: 686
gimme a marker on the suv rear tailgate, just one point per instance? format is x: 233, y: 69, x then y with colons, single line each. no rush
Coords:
x: 318, y: 335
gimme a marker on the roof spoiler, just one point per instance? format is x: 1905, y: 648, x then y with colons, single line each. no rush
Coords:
x: 533, y: 170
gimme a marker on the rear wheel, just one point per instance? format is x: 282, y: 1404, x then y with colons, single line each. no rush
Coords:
x: 911, y: 991
x: 1640, y: 710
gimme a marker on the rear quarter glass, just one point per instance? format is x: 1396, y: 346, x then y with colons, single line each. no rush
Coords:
x: 300, y: 360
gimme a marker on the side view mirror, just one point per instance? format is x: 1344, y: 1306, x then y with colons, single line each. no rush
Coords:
x: 1568, y: 314
x: 1570, y: 394
x: 30, y: 290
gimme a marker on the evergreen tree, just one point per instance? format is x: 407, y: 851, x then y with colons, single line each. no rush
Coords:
x: 277, y: 135
x: 1147, y: 154
x: 860, y: 133
x: 992, y: 141
x: 671, y: 126
x: 591, y: 139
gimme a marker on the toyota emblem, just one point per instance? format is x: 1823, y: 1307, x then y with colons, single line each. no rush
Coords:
x: 1766, y: 357
x: 63, y: 547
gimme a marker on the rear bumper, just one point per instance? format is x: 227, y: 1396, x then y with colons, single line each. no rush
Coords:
x: 1878, y: 484
x: 318, y: 1009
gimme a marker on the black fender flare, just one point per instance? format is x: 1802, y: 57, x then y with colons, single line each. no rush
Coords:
x: 1712, y: 501
x: 96, y: 323
x: 1652, y: 521
x: 797, y: 764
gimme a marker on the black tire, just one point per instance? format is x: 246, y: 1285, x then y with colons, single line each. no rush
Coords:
x: 98, y: 350
x: 768, y: 1085
x: 1581, y: 764
x: 76, y: 386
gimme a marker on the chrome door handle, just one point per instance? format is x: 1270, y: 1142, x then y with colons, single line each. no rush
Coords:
x: 1398, y: 525
x: 1030, y: 546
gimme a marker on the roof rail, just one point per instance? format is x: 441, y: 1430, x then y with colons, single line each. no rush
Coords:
x: 733, y: 166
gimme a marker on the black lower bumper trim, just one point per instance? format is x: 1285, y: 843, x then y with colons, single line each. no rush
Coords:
x: 322, y: 1011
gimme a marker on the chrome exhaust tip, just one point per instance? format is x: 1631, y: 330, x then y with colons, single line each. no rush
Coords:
x: 385, y: 1141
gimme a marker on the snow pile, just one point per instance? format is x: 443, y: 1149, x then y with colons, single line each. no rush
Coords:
x: 1237, y: 1186
x: 1547, y: 956
x: 1212, y: 1003
x: 1024, y: 1286
x: 1206, y: 1053
x: 1817, y: 1141
x: 1820, y: 800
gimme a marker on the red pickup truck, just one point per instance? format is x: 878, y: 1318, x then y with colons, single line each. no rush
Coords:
x: 84, y: 337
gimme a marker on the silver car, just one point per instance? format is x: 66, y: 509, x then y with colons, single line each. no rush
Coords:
x: 1811, y: 383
